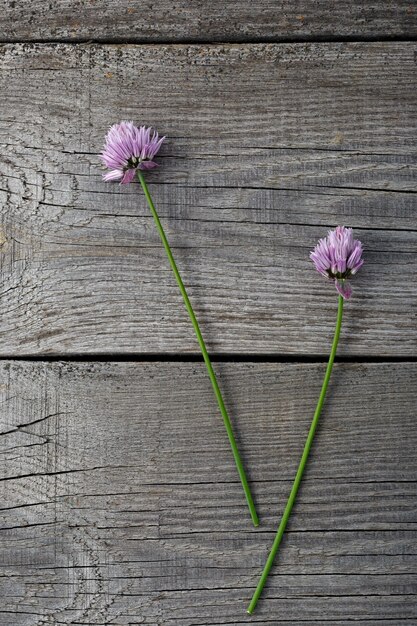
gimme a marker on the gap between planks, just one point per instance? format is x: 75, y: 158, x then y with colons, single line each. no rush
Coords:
x: 203, y: 41
x: 169, y: 357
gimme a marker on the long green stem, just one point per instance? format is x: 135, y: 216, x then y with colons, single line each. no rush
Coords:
x: 299, y: 475
x: 203, y: 348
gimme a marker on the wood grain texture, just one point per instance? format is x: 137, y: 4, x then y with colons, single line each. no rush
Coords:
x: 269, y: 145
x: 199, y: 20
x: 120, y: 504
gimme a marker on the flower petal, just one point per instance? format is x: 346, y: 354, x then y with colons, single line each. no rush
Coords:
x: 343, y: 288
x: 147, y: 165
x: 113, y: 175
x: 128, y: 176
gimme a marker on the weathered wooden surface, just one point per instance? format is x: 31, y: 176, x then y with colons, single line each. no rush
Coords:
x: 120, y: 503
x: 269, y: 145
x: 196, y: 20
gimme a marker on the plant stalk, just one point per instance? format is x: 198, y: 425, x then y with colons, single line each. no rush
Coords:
x: 203, y: 349
x: 300, y: 471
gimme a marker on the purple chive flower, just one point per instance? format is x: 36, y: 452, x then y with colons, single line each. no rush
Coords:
x: 127, y: 149
x: 338, y: 256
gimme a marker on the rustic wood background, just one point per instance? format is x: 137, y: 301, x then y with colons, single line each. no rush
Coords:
x: 120, y: 504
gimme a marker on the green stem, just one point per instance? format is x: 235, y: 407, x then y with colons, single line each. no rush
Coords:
x: 203, y: 348
x: 299, y: 475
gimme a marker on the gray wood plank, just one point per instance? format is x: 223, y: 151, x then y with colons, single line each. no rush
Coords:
x: 120, y: 504
x: 206, y: 21
x: 269, y: 146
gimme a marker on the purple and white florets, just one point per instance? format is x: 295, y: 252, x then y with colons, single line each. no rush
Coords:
x: 338, y: 256
x: 127, y: 149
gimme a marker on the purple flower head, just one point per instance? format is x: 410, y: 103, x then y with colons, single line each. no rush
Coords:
x: 338, y: 256
x: 129, y: 148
